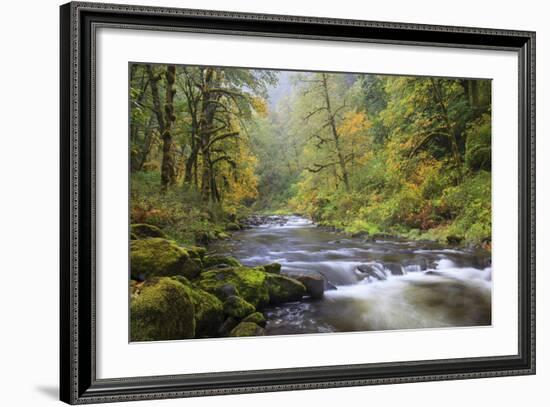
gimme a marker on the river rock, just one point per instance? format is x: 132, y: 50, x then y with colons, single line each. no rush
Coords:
x: 250, y: 283
x: 232, y: 227
x: 142, y: 230
x: 272, y: 268
x: 314, y: 283
x: 235, y: 306
x: 454, y: 240
x: 373, y: 270
x: 195, y: 252
x: 330, y: 286
x: 257, y: 318
x: 217, y: 261
x: 247, y: 329
x: 227, y: 326
x: 162, y: 311
x: 161, y: 257
x: 395, y: 269
x: 226, y: 291
x: 209, y: 313
x: 283, y: 289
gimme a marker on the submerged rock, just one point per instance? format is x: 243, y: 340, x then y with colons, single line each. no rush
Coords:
x: 160, y: 257
x: 236, y: 307
x: 247, y: 329
x: 373, y: 270
x: 162, y: 311
x: 395, y: 269
x: 143, y: 230
x: 284, y: 289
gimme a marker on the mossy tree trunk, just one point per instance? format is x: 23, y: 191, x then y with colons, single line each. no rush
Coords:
x: 168, y: 172
x: 334, y: 132
x: 210, y: 99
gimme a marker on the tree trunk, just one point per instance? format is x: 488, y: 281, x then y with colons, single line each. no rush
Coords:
x: 335, y: 135
x: 210, y: 79
x: 168, y: 172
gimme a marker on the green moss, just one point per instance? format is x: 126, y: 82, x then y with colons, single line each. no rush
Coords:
x: 247, y: 329
x: 216, y: 260
x: 257, y: 318
x: 204, y: 236
x: 209, y: 314
x: 232, y: 227
x: 142, y: 230
x: 249, y: 283
x: 284, y: 289
x: 196, y: 252
x: 236, y: 307
x: 162, y: 311
x: 272, y: 268
x: 161, y: 257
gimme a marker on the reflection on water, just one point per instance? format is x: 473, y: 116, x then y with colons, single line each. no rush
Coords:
x: 379, y: 285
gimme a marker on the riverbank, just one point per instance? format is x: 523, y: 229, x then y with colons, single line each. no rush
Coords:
x: 184, y: 292
x: 283, y: 274
x: 358, y: 228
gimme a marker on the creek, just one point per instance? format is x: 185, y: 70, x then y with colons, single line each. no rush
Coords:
x: 370, y: 284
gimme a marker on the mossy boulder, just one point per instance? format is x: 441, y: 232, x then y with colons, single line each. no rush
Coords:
x: 162, y: 311
x: 257, y: 318
x: 209, y: 314
x: 249, y: 283
x: 143, y: 230
x: 204, y: 236
x: 215, y: 261
x: 222, y: 235
x: 160, y: 257
x: 236, y: 307
x: 283, y: 289
x: 228, y: 325
x: 274, y: 268
x: 247, y: 329
x: 232, y: 227
x: 196, y: 252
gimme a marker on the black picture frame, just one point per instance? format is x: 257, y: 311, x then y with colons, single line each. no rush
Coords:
x: 78, y: 382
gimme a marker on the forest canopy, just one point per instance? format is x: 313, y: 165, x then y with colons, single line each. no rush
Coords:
x: 364, y: 153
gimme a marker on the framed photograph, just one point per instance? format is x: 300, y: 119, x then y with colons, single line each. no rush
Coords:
x: 255, y: 203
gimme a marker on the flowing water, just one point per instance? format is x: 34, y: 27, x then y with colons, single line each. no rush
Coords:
x: 370, y: 285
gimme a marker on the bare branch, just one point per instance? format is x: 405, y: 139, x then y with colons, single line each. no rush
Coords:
x: 314, y: 113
